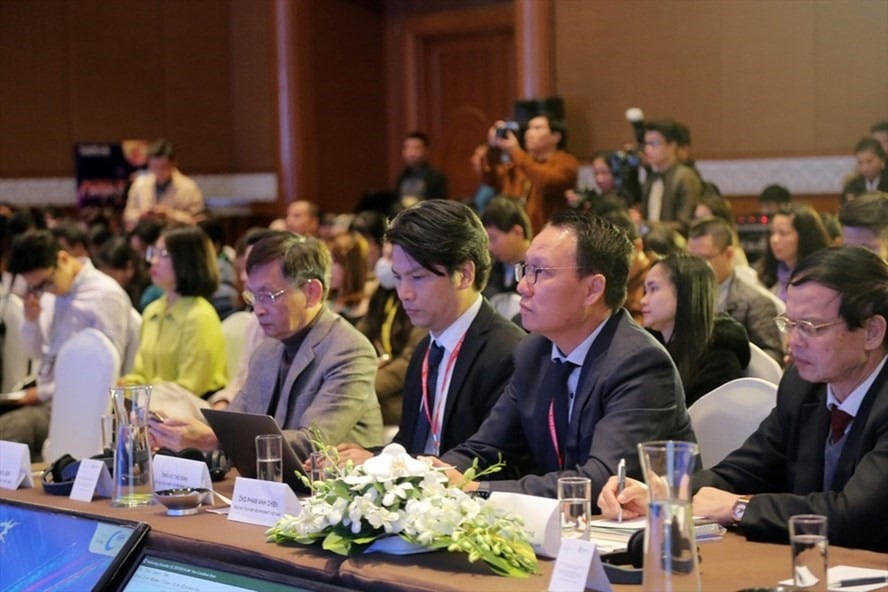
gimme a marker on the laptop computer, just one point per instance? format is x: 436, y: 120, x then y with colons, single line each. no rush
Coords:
x: 237, y: 433
x: 44, y: 548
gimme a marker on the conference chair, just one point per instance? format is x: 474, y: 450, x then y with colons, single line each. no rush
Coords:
x: 234, y: 329
x: 15, y: 359
x: 724, y: 417
x: 86, y: 367
x: 763, y: 366
x: 133, y: 339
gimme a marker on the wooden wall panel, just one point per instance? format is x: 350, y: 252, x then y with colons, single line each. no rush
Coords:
x: 775, y: 78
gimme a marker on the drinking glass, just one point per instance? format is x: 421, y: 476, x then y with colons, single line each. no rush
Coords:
x: 269, y: 466
x: 808, y: 541
x: 575, y: 500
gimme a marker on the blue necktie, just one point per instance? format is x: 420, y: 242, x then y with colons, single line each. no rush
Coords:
x: 555, y: 382
x: 421, y: 433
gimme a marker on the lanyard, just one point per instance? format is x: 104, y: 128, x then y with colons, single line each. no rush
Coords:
x: 436, y: 420
x: 553, y: 434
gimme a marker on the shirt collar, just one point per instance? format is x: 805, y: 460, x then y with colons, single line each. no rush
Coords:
x: 852, y: 402
x: 578, y: 355
x: 450, y: 336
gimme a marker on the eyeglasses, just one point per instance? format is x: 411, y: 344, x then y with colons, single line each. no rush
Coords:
x: 531, y: 273
x: 45, y: 285
x: 263, y: 298
x: 806, y: 328
x: 152, y: 252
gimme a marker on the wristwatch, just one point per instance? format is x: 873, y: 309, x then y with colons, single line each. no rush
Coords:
x: 740, y: 508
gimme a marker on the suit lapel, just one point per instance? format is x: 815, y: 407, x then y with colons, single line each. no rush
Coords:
x: 854, y: 438
x: 813, y: 430
x: 468, y: 351
x: 303, y: 358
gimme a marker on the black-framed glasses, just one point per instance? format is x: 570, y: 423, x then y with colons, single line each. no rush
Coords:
x: 263, y: 298
x: 530, y: 273
x: 151, y: 252
x: 806, y: 328
x: 44, y: 286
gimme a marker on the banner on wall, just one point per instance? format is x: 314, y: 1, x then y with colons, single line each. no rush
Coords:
x: 106, y: 169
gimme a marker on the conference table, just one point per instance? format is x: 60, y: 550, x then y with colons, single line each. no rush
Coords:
x: 727, y: 565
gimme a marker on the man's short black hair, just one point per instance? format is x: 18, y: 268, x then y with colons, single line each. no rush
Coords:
x: 869, y: 211
x: 859, y: 276
x: 443, y: 233
x: 417, y: 135
x: 777, y: 194
x: 161, y: 148
x: 879, y: 126
x: 72, y: 233
x: 666, y: 127
x: 33, y: 250
x: 504, y: 213
x: 556, y: 125
x: 301, y: 258
x: 717, y: 228
x: 602, y: 248
x: 870, y: 145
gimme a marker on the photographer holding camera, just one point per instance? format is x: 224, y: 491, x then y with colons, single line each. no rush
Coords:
x: 538, y: 174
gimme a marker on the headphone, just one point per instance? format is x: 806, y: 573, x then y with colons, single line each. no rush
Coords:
x: 634, y: 555
x: 216, y: 460
x: 58, y: 478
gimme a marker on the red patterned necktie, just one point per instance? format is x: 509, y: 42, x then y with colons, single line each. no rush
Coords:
x: 838, y: 421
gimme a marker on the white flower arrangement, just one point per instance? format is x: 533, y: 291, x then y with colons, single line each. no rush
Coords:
x: 394, y: 494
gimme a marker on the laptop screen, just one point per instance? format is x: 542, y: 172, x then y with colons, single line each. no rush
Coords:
x: 46, y: 549
x: 158, y: 571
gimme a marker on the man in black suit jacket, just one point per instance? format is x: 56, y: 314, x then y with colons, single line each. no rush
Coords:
x: 441, y: 262
x: 871, y: 173
x: 620, y: 387
x: 672, y: 189
x: 418, y: 179
x: 794, y: 463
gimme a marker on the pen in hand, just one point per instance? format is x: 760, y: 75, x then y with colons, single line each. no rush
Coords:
x: 621, y: 485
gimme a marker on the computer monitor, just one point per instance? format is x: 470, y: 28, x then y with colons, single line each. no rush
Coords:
x: 163, y: 571
x: 53, y: 549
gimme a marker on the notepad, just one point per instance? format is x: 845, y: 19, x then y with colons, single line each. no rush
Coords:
x: 614, y: 535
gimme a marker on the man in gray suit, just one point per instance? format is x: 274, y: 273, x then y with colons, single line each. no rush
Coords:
x: 711, y: 239
x: 316, y: 370
x: 589, y: 384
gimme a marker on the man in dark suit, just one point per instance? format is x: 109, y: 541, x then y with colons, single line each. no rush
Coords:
x: 590, y: 384
x: 824, y: 447
x: 315, y: 370
x: 871, y: 174
x: 441, y: 263
x: 712, y: 240
x: 672, y: 189
x: 418, y: 180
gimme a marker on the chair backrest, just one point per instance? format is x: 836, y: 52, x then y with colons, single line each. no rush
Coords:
x: 763, y: 366
x: 724, y: 417
x: 234, y: 329
x: 87, y: 366
x: 15, y: 358
x: 133, y: 339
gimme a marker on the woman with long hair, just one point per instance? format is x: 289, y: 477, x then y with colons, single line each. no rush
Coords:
x: 181, y: 339
x: 679, y: 307
x: 796, y: 232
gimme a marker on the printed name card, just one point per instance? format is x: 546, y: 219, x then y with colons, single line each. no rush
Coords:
x: 577, y: 568
x: 541, y: 518
x: 262, y: 502
x: 92, y: 478
x: 172, y: 472
x: 15, y: 465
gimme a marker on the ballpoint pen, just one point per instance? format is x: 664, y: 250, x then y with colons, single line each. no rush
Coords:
x: 621, y: 485
x: 859, y: 582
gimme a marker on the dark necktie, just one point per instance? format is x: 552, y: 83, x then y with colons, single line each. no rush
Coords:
x: 555, y: 383
x: 421, y: 433
x: 838, y: 421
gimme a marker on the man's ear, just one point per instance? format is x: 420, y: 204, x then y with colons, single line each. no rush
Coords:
x: 875, y: 328
x: 466, y: 275
x: 314, y: 292
x: 594, y: 285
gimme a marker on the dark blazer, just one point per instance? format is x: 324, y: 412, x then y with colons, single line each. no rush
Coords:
x: 480, y: 374
x: 781, y: 465
x: 753, y: 308
x: 628, y: 392
x: 435, y: 182
x: 682, y: 189
x: 857, y: 186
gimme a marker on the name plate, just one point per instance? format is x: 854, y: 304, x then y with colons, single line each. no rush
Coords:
x: 541, y: 517
x: 577, y: 568
x: 15, y: 465
x: 92, y: 478
x: 172, y: 472
x: 262, y: 502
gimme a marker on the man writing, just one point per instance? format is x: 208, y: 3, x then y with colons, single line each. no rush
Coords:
x: 441, y: 263
x: 822, y: 450
x: 589, y: 383
x: 316, y: 370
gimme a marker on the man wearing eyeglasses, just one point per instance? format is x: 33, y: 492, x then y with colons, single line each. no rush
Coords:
x: 824, y: 447
x: 672, y: 189
x: 317, y: 370
x: 84, y: 298
x: 589, y: 383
